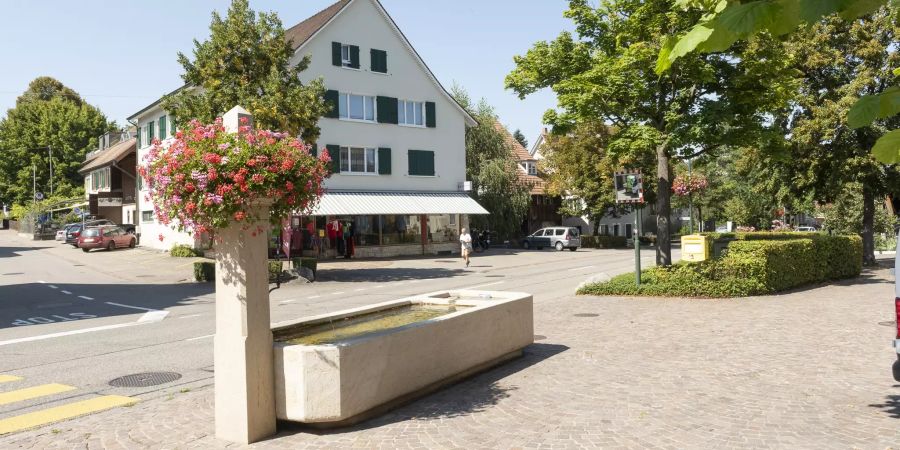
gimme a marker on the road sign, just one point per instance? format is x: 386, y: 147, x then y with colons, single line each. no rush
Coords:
x: 629, y: 187
x: 38, y: 195
x: 76, y: 210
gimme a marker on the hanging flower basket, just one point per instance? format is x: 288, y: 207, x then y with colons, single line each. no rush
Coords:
x: 205, y: 178
x: 687, y: 185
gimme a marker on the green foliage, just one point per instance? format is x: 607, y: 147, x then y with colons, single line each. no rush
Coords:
x: 603, y: 241
x: 275, y: 268
x: 750, y: 267
x: 493, y: 170
x: 845, y: 214
x: 246, y: 61
x: 184, y: 251
x: 520, y: 138
x: 47, y: 114
x: 205, y: 271
x: 309, y: 263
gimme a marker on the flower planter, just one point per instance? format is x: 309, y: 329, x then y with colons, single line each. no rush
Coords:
x: 344, y: 380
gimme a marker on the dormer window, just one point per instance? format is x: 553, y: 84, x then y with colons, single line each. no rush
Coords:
x: 532, y: 169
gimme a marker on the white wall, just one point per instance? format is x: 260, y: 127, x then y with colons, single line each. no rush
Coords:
x: 361, y: 24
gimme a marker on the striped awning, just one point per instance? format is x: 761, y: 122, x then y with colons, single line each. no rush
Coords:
x: 356, y: 203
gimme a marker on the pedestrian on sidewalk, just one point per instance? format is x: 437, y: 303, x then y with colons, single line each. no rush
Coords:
x: 465, y: 241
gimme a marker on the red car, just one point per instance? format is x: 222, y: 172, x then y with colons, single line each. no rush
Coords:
x: 108, y: 237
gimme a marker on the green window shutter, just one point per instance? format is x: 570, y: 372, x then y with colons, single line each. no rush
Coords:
x: 430, y: 118
x: 335, y: 152
x: 150, y: 132
x: 331, y: 100
x: 379, y: 61
x: 421, y: 162
x: 354, y: 57
x: 384, y: 161
x: 314, y: 150
x: 336, y: 54
x: 387, y: 110
x: 162, y: 127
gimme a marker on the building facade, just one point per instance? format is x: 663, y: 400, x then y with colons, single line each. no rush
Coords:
x: 110, y: 177
x: 396, y: 138
x: 543, y: 211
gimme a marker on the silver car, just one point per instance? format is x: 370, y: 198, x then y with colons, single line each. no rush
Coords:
x: 559, y: 238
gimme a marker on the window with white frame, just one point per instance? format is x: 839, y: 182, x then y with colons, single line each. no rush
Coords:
x: 356, y: 107
x: 411, y: 113
x: 358, y: 160
x: 346, y: 61
x: 532, y: 169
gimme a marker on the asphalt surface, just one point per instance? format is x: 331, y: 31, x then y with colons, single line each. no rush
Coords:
x: 83, y: 319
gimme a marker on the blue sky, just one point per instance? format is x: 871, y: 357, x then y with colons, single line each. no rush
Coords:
x: 121, y: 55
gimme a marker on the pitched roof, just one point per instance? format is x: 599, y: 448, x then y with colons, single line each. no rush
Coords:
x: 521, y: 155
x: 111, y: 155
x: 301, y: 32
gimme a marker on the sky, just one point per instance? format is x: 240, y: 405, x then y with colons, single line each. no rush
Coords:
x: 121, y: 55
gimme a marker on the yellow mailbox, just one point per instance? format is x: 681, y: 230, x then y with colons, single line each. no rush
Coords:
x: 694, y: 248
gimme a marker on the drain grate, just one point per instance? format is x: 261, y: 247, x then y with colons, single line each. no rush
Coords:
x: 586, y: 315
x: 145, y: 379
x: 539, y: 337
x: 889, y: 323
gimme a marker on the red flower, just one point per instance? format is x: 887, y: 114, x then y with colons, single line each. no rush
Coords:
x: 212, y: 158
x: 161, y: 237
x: 190, y: 187
x: 257, y: 178
x: 239, y: 216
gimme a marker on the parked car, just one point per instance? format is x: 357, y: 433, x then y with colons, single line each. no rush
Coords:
x: 806, y: 229
x: 74, y: 231
x: 557, y: 237
x: 61, y: 233
x: 109, y: 237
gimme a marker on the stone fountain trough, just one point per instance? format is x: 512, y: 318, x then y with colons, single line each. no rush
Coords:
x: 341, y: 368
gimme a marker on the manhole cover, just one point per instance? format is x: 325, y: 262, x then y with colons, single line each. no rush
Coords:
x: 145, y: 379
x: 586, y: 315
x: 888, y: 323
x: 539, y: 337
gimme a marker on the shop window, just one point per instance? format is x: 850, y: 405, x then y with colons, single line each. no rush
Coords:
x: 442, y: 229
x: 366, y: 230
x: 401, y: 230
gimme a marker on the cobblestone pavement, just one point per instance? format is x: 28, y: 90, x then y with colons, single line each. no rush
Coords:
x: 809, y: 369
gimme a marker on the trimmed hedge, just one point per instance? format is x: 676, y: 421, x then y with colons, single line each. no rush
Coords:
x: 309, y: 263
x: 603, y: 241
x: 183, y: 251
x: 275, y: 269
x: 749, y: 267
x: 205, y: 271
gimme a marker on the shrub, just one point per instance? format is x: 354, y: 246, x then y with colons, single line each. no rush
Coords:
x: 603, y: 241
x: 205, y: 271
x: 749, y: 267
x: 309, y: 263
x: 183, y: 251
x: 275, y: 268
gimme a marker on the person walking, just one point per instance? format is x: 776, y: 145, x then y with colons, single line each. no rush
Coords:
x: 465, y: 241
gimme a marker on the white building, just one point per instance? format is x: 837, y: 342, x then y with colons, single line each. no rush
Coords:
x: 396, y: 136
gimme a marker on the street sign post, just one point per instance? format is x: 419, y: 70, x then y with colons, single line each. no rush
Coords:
x: 630, y: 190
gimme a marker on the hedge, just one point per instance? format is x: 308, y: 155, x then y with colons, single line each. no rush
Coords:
x: 603, y: 241
x: 205, y: 271
x: 275, y: 269
x: 749, y: 267
x: 184, y: 251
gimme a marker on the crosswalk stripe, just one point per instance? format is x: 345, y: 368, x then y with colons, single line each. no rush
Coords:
x: 33, y: 392
x: 67, y: 411
x: 8, y: 378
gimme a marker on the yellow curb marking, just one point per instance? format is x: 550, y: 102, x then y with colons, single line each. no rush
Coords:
x: 67, y: 411
x: 8, y: 378
x: 33, y: 392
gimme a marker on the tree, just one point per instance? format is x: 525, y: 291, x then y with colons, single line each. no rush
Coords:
x: 844, y: 215
x: 520, y: 137
x: 47, y: 114
x: 703, y: 103
x: 492, y: 168
x: 246, y: 61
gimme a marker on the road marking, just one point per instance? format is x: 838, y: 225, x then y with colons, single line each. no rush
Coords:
x: 33, y: 392
x: 8, y: 378
x: 66, y: 292
x: 153, y: 316
x: 486, y: 285
x: 190, y: 316
x: 313, y: 296
x: 286, y: 302
x: 67, y: 411
x: 150, y: 317
x: 52, y: 286
x: 42, y: 281
x: 580, y: 268
x: 200, y: 337
x: 337, y: 293
x: 129, y: 306
x: 85, y: 297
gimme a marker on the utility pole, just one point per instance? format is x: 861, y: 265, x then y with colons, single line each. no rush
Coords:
x: 50, y: 154
x: 690, y: 199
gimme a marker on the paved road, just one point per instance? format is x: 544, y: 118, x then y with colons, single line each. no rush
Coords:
x: 81, y: 320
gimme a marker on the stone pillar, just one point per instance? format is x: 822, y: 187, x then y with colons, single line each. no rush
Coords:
x: 244, y: 371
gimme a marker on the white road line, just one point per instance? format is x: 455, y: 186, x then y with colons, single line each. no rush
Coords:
x: 313, y: 296
x: 286, y: 302
x: 153, y: 316
x: 337, y: 293
x: 190, y: 316
x: 70, y: 333
x: 66, y: 292
x: 42, y: 281
x: 51, y: 286
x: 580, y: 268
x: 129, y: 306
x: 200, y: 337
x: 486, y: 285
x: 85, y: 297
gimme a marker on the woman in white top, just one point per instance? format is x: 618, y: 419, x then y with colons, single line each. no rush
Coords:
x: 465, y: 241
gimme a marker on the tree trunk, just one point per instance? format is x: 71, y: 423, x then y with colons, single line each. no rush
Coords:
x: 663, y: 206
x: 868, y: 226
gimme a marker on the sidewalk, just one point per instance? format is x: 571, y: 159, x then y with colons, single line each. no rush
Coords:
x: 808, y: 369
